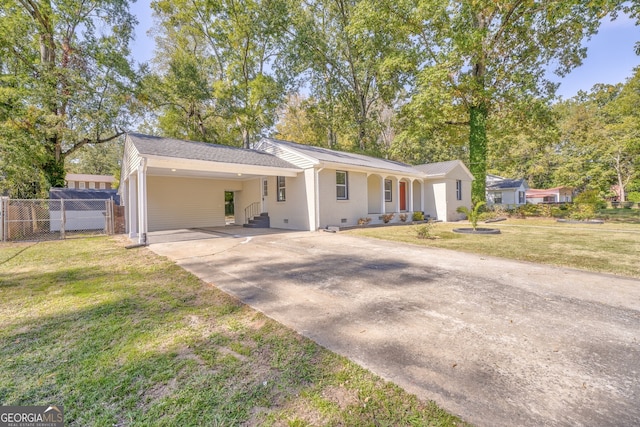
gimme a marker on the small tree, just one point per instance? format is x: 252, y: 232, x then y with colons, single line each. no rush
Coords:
x: 472, y: 214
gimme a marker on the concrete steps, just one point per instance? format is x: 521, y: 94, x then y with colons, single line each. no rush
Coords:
x: 260, y: 221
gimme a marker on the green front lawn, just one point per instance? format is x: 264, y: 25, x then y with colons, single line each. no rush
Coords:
x: 124, y: 337
x: 610, y: 248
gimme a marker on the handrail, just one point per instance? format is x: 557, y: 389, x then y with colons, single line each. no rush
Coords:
x: 250, y: 211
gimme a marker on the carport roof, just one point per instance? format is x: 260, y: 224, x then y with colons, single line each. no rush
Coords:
x: 440, y: 168
x: 181, y: 149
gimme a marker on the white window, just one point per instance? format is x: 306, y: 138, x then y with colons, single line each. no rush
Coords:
x: 71, y: 184
x: 522, y: 197
x: 387, y: 190
x: 497, y: 198
x: 81, y: 185
x: 282, y: 196
x: 265, y: 187
x: 92, y: 185
x: 102, y: 186
x: 458, y: 190
x: 342, y: 185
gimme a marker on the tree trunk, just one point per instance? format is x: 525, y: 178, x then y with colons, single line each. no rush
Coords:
x: 478, y: 151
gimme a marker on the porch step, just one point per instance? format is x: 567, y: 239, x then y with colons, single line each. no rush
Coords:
x: 259, y: 221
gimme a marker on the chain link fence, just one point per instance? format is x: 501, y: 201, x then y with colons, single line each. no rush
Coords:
x: 47, y: 219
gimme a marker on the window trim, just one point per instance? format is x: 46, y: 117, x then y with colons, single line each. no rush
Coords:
x: 281, y: 189
x: 495, y: 197
x: 458, y: 189
x: 345, y: 185
x: 388, y: 193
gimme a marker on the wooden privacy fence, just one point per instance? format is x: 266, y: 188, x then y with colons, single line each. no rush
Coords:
x: 46, y: 219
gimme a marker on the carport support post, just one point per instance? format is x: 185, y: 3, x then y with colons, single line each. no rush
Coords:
x: 132, y: 205
x: 142, y: 202
x: 397, y: 194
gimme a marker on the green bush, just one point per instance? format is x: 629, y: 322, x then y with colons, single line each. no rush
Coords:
x: 418, y: 216
x: 424, y: 231
x: 634, y: 196
x: 590, y: 197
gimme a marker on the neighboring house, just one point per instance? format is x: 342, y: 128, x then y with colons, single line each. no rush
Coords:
x: 447, y: 181
x: 82, y: 181
x: 173, y: 184
x: 506, y: 192
x: 550, y: 195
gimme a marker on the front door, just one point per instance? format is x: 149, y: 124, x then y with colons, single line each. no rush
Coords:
x: 403, y: 196
x: 265, y: 193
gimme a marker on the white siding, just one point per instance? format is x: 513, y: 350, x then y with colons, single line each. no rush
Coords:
x: 285, y: 154
x: 131, y: 159
x: 293, y: 212
x: 175, y: 203
x: 251, y: 193
x: 332, y: 210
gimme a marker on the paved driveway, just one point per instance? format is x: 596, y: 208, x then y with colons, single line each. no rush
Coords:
x: 499, y: 343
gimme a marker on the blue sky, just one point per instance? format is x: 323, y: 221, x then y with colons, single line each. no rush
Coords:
x: 610, y: 53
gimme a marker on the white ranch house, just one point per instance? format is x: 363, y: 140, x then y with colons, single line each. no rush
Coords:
x: 174, y: 184
x: 506, y: 192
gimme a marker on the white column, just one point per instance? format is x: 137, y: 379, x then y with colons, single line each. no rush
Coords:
x: 410, y: 196
x: 397, y: 194
x: 422, y: 195
x: 142, y: 202
x: 132, y: 206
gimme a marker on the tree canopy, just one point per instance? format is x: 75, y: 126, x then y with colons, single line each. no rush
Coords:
x: 66, y: 81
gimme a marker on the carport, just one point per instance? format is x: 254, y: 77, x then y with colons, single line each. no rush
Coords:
x: 173, y: 184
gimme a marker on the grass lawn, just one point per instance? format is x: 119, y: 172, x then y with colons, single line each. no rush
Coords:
x: 124, y: 337
x: 610, y: 247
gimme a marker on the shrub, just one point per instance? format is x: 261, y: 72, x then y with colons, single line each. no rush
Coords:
x: 424, y: 231
x: 418, y: 216
x: 403, y: 217
x: 387, y: 217
x: 590, y: 197
x: 364, y: 221
x: 634, y: 196
x: 583, y: 211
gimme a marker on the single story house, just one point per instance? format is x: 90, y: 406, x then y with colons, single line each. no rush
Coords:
x: 82, y: 181
x: 506, y: 192
x: 169, y: 184
x: 550, y: 195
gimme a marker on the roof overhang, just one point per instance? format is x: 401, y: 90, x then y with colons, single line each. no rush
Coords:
x: 370, y: 170
x: 172, y: 166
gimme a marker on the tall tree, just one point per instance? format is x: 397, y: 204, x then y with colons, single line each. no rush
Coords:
x: 493, y: 53
x: 221, y: 60
x: 600, y: 139
x: 66, y: 63
x: 355, y: 69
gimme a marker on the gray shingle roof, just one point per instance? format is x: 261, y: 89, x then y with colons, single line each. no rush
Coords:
x: 505, y: 183
x: 170, y: 147
x: 440, y: 168
x: 343, y: 157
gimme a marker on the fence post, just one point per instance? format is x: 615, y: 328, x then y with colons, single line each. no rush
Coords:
x: 63, y: 219
x: 3, y: 218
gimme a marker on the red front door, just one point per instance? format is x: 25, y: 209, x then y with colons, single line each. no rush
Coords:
x: 403, y: 196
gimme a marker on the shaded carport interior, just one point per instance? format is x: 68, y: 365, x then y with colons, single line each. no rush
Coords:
x: 168, y: 183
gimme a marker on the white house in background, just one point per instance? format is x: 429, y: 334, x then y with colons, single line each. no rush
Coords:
x: 550, y: 195
x: 81, y: 181
x: 506, y: 192
x: 447, y: 182
x: 173, y: 184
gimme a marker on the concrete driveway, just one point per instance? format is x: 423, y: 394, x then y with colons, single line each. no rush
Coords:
x: 500, y: 343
